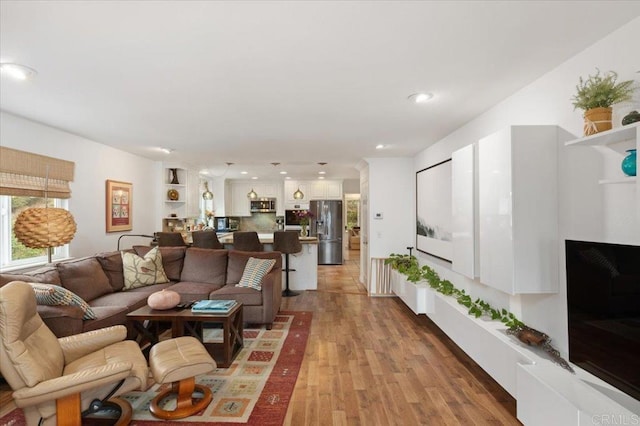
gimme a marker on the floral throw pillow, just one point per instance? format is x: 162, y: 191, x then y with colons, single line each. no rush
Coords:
x: 254, y: 271
x: 54, y: 295
x: 142, y: 271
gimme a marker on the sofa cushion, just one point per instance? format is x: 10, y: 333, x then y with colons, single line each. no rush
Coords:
x: 238, y: 260
x: 172, y: 259
x: 54, y: 295
x: 190, y: 291
x: 132, y: 299
x: 254, y: 271
x: 106, y: 316
x: 142, y: 271
x: 245, y: 295
x: 84, y: 277
x: 47, y: 274
x: 111, y: 263
x: 205, y: 266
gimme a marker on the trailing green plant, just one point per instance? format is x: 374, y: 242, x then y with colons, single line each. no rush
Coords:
x: 601, y: 91
x: 408, y: 266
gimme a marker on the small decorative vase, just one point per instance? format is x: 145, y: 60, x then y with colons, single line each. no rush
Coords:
x: 303, y: 230
x: 629, y: 163
x: 597, y: 120
x: 174, y: 177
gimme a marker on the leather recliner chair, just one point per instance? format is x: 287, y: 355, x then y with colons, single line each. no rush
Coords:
x: 58, y: 379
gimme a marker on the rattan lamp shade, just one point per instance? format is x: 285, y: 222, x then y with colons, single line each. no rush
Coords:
x: 44, y: 227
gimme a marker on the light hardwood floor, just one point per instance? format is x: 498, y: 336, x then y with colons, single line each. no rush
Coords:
x: 371, y: 361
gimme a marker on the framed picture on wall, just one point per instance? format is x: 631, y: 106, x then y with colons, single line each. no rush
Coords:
x: 433, y: 210
x: 119, y: 199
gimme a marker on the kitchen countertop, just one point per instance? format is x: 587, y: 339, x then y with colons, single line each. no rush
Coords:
x: 267, y: 238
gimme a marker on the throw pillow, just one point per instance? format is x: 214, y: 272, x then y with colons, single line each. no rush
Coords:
x: 142, y: 271
x: 54, y: 295
x: 254, y: 271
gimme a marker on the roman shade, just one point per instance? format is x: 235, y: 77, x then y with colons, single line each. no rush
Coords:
x: 26, y: 174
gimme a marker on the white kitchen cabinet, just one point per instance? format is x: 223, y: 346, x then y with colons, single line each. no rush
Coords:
x: 317, y: 190
x: 518, y: 209
x: 333, y: 189
x: 239, y: 202
x: 313, y: 190
x: 291, y: 186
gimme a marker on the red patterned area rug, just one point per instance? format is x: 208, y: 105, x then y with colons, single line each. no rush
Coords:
x: 255, y: 390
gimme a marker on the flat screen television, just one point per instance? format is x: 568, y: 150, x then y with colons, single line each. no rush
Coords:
x: 603, y: 297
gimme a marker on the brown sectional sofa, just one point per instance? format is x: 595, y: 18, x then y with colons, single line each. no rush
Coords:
x: 194, y: 273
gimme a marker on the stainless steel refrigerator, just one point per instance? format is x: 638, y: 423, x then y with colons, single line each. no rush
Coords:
x: 326, y: 225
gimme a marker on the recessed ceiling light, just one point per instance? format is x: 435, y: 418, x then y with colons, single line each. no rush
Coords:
x: 420, y: 98
x: 283, y: 172
x: 17, y: 71
x: 288, y: 177
x: 322, y: 172
x: 167, y: 150
x: 204, y: 172
x: 379, y: 146
x: 320, y: 177
x: 244, y: 172
x: 254, y: 177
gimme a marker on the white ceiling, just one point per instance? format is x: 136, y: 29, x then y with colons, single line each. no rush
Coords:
x: 291, y: 82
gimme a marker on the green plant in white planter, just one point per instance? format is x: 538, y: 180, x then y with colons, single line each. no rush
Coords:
x: 408, y: 266
x: 596, y: 94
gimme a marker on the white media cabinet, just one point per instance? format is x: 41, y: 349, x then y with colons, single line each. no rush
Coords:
x: 546, y: 394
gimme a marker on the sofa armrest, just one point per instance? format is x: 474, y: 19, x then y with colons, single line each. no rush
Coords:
x: 74, y: 347
x: 271, y: 294
x: 62, y: 320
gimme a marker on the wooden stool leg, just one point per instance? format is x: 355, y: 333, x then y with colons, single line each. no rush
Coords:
x: 186, y: 405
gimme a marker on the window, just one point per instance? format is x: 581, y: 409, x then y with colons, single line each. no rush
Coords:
x: 12, y: 252
x: 353, y: 211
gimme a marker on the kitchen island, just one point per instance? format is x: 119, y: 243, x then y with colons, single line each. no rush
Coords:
x: 305, y: 263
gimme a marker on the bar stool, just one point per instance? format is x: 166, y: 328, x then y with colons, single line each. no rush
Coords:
x: 206, y: 239
x: 247, y: 241
x: 170, y: 239
x: 287, y: 242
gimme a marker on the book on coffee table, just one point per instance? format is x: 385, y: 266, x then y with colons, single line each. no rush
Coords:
x: 213, y: 306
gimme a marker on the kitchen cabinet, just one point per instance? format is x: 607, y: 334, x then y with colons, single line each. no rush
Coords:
x: 518, y: 209
x: 239, y: 202
x: 290, y: 187
x: 313, y: 190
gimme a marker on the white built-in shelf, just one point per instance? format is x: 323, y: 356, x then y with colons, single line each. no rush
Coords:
x: 626, y: 179
x: 175, y: 201
x: 616, y: 135
x: 176, y: 185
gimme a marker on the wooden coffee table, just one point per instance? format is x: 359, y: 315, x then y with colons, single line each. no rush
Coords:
x: 183, y: 322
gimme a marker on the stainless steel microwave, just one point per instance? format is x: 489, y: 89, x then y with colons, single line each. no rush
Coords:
x: 263, y: 205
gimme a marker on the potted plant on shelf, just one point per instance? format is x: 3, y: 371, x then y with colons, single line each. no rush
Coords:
x: 595, y: 95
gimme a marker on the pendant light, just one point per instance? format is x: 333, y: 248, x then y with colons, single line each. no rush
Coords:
x: 252, y: 194
x: 298, y: 195
x: 207, y: 195
x: 46, y: 227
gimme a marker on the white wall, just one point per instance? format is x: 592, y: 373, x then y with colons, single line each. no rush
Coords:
x: 391, y: 193
x: 587, y: 210
x: 94, y: 164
